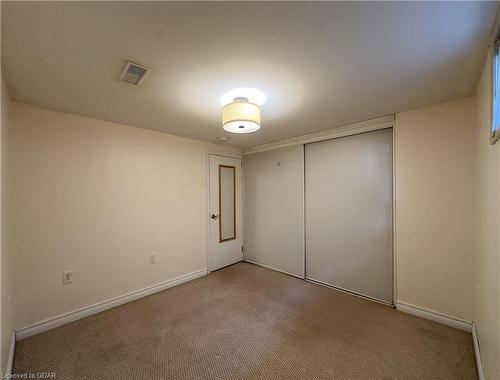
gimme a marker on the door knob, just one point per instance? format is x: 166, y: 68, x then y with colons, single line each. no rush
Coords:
x: 214, y: 216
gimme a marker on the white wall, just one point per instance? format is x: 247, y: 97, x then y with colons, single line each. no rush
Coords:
x: 274, y: 209
x: 435, y: 214
x: 487, y: 255
x: 96, y: 197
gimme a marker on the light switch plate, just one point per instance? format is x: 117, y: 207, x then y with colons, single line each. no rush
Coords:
x: 67, y: 277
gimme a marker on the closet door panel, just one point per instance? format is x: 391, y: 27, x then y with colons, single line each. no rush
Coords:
x: 274, y: 213
x: 348, y: 203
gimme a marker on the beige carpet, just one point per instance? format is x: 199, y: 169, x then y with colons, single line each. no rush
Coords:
x: 248, y: 322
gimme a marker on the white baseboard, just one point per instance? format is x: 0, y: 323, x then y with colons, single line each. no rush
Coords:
x: 477, y: 352
x: 10, y: 359
x: 435, y: 316
x: 62, y: 319
x: 275, y: 269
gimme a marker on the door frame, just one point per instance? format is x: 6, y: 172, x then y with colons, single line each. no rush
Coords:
x: 383, y: 122
x: 239, y: 156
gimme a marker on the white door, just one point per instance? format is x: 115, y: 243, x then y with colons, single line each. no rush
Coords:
x: 348, y: 187
x: 225, y: 211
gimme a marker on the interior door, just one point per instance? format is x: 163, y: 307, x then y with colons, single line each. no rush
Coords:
x: 225, y: 211
x: 348, y: 187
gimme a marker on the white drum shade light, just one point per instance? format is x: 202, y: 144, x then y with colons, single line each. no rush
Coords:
x: 241, y: 116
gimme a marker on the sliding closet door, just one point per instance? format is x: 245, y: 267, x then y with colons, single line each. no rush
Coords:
x: 348, y: 193
x: 274, y: 213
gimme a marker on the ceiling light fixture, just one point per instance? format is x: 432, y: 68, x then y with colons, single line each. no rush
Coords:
x: 241, y: 116
x: 252, y: 94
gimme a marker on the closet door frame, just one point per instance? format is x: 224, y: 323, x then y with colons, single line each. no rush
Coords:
x: 383, y: 122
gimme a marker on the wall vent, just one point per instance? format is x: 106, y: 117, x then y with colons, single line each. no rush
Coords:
x: 134, y: 73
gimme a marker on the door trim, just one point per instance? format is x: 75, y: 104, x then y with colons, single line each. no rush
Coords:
x: 370, y: 125
x: 214, y: 152
x: 236, y: 214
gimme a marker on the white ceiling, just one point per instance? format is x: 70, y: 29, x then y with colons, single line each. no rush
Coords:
x: 320, y: 64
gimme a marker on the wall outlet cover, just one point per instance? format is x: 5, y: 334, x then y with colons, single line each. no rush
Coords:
x: 153, y: 259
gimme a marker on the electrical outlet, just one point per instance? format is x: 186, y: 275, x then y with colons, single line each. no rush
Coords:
x: 67, y: 277
x: 153, y: 259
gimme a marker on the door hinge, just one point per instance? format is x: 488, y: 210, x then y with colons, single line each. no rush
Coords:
x: 242, y: 249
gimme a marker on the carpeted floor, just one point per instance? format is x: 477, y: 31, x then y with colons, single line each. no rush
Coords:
x: 248, y: 322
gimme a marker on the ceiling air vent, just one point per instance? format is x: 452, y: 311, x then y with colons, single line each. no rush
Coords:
x: 134, y: 73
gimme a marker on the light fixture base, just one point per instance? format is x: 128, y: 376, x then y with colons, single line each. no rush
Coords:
x: 239, y: 99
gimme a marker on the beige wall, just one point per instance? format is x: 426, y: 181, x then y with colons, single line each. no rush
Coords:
x: 435, y: 214
x: 487, y: 255
x: 5, y: 322
x: 435, y: 189
x: 274, y: 216
x: 96, y: 198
